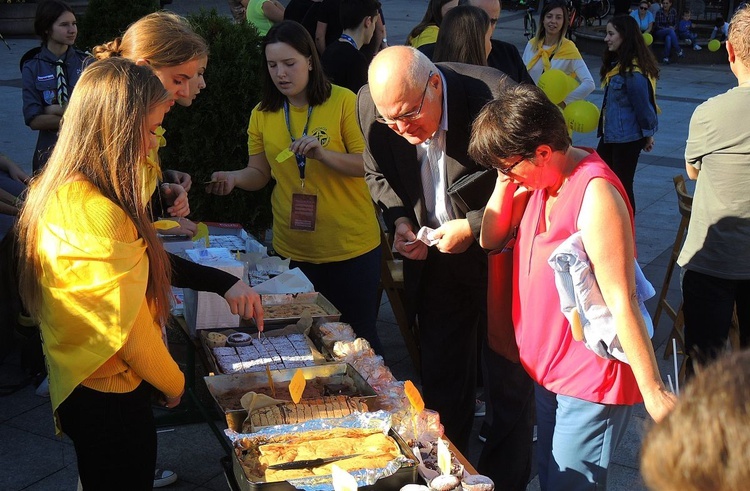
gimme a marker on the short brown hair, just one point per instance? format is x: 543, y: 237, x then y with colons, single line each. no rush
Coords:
x: 519, y: 120
x: 739, y: 30
x: 705, y: 442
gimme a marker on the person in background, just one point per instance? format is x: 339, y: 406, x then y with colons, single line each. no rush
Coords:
x: 643, y: 17
x: 628, y: 121
x: 343, y: 62
x: 547, y: 190
x: 715, y: 256
x: 304, y: 135
x: 464, y: 37
x: 263, y: 14
x: 238, y: 10
x: 427, y: 30
x: 704, y: 443
x: 13, y: 181
x: 50, y: 74
x: 502, y: 56
x: 86, y: 245
x: 305, y: 12
x: 685, y: 30
x: 720, y: 30
x: 551, y: 49
x: 329, y: 28
x: 654, y: 7
x: 665, y: 29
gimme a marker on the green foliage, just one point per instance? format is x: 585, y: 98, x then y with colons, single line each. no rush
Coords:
x: 211, y: 135
x: 105, y: 20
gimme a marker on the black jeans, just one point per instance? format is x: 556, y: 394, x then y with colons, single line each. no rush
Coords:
x: 622, y: 158
x: 708, y: 307
x: 114, y: 436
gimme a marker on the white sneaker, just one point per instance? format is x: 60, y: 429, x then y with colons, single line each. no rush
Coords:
x: 696, y: 47
x: 164, y: 477
x: 43, y: 389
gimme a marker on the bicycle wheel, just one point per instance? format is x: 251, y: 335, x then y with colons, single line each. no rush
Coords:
x: 529, y: 26
x: 602, y: 9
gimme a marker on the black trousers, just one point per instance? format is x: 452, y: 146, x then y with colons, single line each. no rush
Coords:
x: 114, y: 436
x: 506, y: 455
x: 708, y: 308
x: 622, y: 158
x: 451, y: 304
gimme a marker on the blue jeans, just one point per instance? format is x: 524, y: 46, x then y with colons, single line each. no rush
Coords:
x: 687, y: 35
x: 352, y: 287
x: 669, y: 36
x: 576, y: 440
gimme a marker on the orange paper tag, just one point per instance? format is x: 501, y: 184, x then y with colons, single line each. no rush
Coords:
x: 297, y: 386
x: 415, y: 398
x: 270, y: 382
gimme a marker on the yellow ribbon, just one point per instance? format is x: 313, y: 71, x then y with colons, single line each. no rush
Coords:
x: 564, y: 50
x: 616, y: 70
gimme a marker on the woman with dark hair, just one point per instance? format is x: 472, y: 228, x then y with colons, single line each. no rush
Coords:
x: 49, y: 74
x: 304, y: 134
x: 464, y: 36
x: 550, y: 49
x: 665, y: 29
x: 548, y: 192
x: 628, y: 118
x: 427, y: 30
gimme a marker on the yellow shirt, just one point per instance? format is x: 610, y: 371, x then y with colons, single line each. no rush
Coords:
x: 428, y: 36
x: 346, y: 226
x: 96, y: 322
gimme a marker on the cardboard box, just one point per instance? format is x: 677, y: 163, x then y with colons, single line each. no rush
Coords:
x: 207, y: 310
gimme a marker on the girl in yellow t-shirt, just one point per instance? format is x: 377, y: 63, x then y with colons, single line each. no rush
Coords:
x: 304, y: 135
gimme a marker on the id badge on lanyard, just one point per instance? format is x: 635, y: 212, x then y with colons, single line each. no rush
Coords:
x: 304, y: 205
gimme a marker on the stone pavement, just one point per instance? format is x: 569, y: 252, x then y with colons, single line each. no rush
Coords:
x: 32, y: 458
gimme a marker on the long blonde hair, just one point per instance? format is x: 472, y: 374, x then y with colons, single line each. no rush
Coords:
x: 163, y: 38
x: 101, y: 141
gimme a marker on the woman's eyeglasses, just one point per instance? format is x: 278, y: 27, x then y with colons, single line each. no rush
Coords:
x: 506, y: 170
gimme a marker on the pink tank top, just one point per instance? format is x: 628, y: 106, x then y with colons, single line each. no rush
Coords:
x: 546, y: 346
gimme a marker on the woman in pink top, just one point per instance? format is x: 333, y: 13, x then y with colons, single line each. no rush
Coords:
x: 547, y: 190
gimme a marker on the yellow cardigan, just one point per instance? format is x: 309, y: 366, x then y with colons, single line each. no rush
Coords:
x: 98, y: 329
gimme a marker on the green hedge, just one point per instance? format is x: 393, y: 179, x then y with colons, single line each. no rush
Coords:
x: 211, y: 135
x: 105, y: 20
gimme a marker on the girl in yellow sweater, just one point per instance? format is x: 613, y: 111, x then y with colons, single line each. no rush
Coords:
x: 96, y: 277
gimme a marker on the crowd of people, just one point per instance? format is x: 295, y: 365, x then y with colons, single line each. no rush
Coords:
x: 345, y: 122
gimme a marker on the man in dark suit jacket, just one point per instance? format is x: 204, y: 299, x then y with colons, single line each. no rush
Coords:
x: 416, y: 118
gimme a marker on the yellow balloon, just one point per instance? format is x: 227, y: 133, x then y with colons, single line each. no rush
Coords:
x: 572, y: 85
x: 554, y: 84
x: 581, y: 116
x: 714, y: 45
x: 648, y: 38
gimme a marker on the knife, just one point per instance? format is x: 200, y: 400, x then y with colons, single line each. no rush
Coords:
x: 307, y: 464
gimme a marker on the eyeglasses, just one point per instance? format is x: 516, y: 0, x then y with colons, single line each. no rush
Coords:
x: 506, y: 170
x: 410, y: 116
x: 643, y: 8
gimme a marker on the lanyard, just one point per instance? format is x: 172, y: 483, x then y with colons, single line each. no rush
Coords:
x: 349, y: 40
x: 301, y: 159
